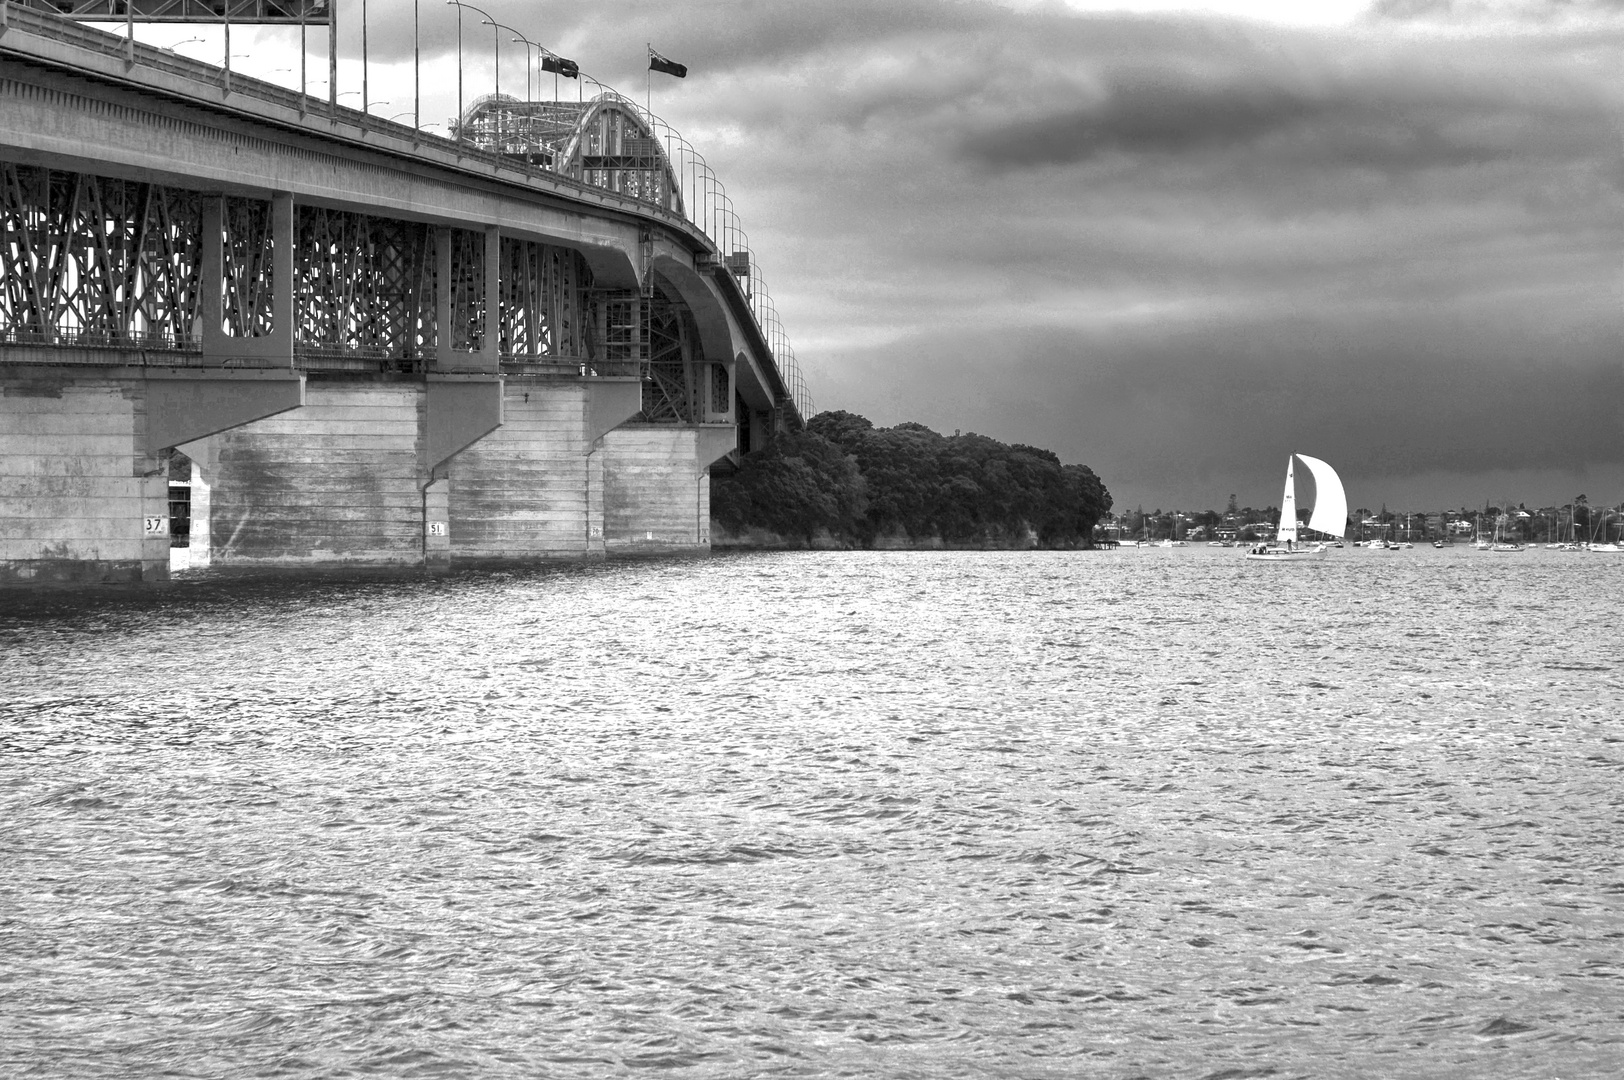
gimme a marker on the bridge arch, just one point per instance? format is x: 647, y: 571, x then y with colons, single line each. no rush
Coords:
x: 602, y: 142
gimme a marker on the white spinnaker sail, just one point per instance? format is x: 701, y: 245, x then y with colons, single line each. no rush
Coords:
x: 1330, y: 501
x: 1288, y: 507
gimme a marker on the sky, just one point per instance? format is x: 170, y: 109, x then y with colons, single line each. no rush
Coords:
x: 1173, y: 241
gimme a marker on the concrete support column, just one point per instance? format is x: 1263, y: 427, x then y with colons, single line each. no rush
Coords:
x: 443, y: 335
x: 656, y: 486
x: 82, y: 498
x: 283, y: 287
x: 205, y: 460
x: 201, y: 535
x: 277, y: 347
x: 155, y: 520
x: 490, y: 353
x: 211, y: 278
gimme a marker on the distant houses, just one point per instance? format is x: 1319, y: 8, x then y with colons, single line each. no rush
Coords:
x: 1550, y: 524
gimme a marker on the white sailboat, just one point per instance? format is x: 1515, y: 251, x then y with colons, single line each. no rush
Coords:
x: 1330, y: 514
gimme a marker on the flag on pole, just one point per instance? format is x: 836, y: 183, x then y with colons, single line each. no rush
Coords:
x: 560, y: 66
x: 656, y: 62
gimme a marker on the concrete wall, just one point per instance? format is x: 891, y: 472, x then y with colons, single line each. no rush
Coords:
x: 339, y: 482
x: 334, y: 483
x: 656, y: 494
x: 77, y: 490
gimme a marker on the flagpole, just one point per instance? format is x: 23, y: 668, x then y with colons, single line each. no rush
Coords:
x: 647, y: 79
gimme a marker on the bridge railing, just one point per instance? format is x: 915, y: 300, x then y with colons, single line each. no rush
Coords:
x: 705, y: 203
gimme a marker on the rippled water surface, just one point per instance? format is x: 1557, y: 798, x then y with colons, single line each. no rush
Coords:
x: 1162, y: 814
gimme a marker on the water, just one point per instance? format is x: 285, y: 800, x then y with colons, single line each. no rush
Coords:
x: 1143, y: 813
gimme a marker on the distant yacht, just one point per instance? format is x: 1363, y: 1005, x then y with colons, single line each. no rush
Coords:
x: 1330, y: 514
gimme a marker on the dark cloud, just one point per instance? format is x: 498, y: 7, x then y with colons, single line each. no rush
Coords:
x: 1190, y: 415
x: 1157, y: 117
x: 1168, y: 246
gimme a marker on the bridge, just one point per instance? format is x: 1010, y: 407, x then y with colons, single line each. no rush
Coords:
x: 364, y: 344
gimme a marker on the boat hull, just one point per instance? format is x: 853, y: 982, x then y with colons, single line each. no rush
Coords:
x: 1282, y: 555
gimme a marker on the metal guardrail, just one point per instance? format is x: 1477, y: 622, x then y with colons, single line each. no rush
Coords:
x: 705, y: 203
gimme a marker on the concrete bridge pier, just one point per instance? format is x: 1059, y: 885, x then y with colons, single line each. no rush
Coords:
x: 656, y: 486
x: 450, y: 471
x: 84, y: 476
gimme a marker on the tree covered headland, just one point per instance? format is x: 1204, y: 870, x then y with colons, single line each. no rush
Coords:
x: 845, y: 482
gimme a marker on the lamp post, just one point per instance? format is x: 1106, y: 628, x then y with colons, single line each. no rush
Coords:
x: 497, y: 49
x: 459, y: 67
x: 495, y: 37
x: 528, y: 44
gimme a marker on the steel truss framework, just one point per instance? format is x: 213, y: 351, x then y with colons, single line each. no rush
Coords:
x: 85, y: 260
x: 668, y: 391
x: 543, y: 301
x: 95, y: 261
x: 365, y: 286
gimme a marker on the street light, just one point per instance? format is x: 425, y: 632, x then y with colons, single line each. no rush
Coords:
x: 459, y: 67
x: 496, y: 48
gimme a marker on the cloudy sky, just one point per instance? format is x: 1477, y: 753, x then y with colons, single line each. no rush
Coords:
x: 1174, y: 241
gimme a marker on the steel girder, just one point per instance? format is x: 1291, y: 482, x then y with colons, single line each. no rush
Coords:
x: 88, y: 260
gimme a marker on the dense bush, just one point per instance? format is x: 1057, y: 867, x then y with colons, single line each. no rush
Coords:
x: 860, y: 483
x: 798, y: 485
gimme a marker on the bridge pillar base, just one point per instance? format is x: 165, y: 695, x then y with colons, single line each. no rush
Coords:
x: 84, y: 477
x: 531, y: 490
x: 656, y: 487
x: 335, y: 484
